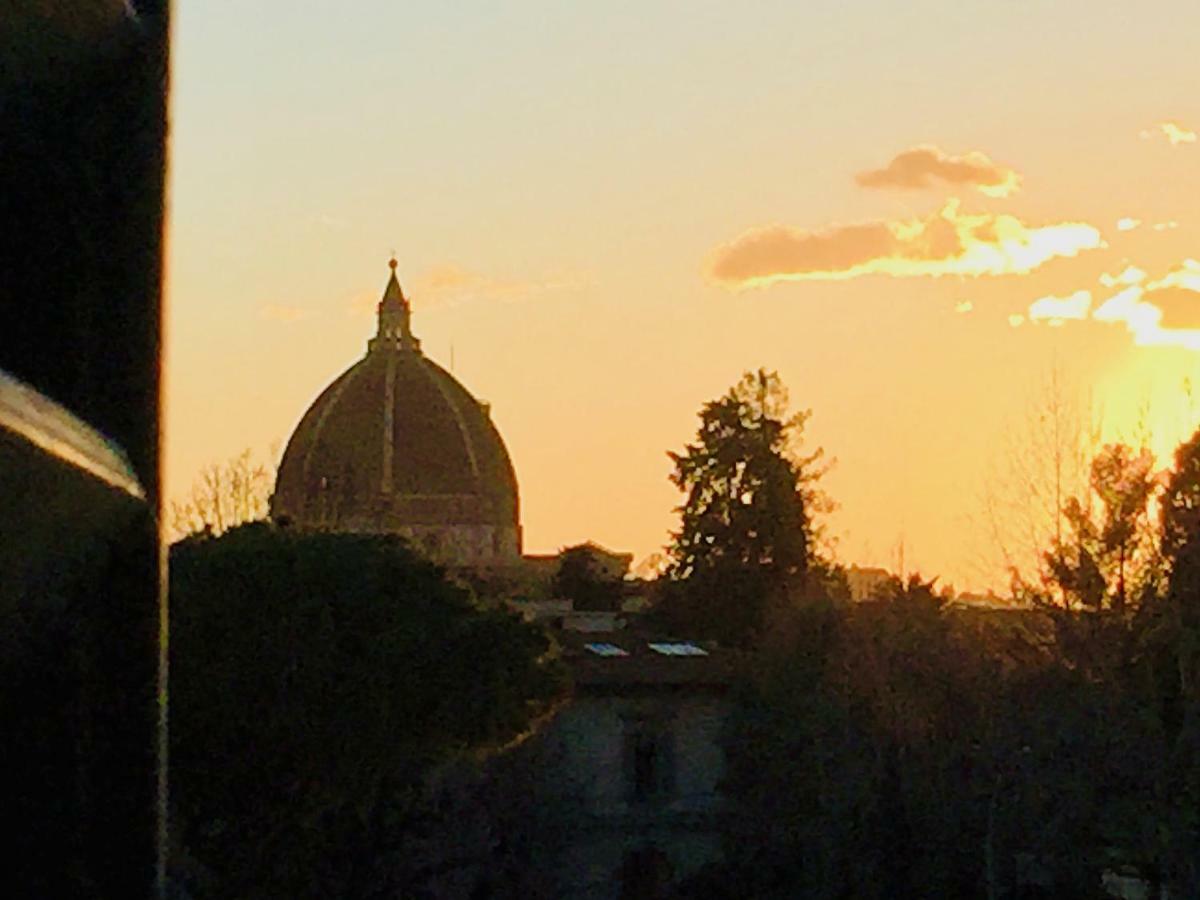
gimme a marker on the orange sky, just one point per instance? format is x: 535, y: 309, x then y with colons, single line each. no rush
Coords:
x: 605, y: 213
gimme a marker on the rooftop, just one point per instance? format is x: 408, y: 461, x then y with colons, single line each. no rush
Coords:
x: 635, y: 659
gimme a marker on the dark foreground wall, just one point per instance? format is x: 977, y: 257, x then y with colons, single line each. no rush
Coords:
x: 82, y: 153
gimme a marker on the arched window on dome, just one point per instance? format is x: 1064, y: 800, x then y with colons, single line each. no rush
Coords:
x: 322, y: 500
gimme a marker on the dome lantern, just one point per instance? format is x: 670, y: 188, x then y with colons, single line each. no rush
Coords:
x: 395, y: 319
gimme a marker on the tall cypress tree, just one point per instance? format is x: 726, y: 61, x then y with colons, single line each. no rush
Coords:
x: 746, y: 534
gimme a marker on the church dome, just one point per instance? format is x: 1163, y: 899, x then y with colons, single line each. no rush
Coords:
x: 396, y: 445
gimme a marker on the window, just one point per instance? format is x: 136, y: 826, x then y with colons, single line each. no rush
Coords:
x: 606, y: 650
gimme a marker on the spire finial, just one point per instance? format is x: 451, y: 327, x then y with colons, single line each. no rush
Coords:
x: 392, y: 262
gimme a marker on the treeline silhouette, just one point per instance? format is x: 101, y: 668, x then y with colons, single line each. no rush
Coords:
x: 323, y: 689
x: 909, y: 746
x: 340, y: 711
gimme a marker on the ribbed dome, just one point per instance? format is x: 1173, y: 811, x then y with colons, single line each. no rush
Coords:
x: 397, y: 445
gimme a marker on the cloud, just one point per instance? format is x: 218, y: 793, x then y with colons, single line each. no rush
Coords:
x: 452, y: 283
x: 362, y: 304
x: 449, y: 284
x: 1180, y: 308
x: 1186, y: 276
x: 919, y: 167
x: 1128, y: 224
x: 944, y: 243
x: 448, y: 277
x: 964, y: 306
x: 1127, y: 307
x: 1057, y: 310
x: 1172, y: 131
x: 276, y: 313
x: 1177, y: 296
x: 1160, y: 313
x: 1166, y: 226
x: 1128, y: 275
x: 332, y: 223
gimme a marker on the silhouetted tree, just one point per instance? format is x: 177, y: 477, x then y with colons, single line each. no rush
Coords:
x: 315, y: 680
x: 1104, y: 574
x: 915, y: 594
x: 911, y: 747
x: 1042, y: 460
x: 1120, y: 656
x: 1180, y: 509
x: 581, y: 578
x: 747, y: 532
x: 907, y: 748
x: 1171, y: 644
x: 855, y: 757
x: 223, y: 496
x: 1109, y: 558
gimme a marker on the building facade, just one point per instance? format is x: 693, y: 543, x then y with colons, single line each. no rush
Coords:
x: 624, y: 784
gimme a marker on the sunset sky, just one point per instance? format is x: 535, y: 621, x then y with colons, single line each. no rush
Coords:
x: 604, y: 213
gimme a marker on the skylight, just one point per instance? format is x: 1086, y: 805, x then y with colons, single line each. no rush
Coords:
x: 686, y: 648
x: 606, y: 650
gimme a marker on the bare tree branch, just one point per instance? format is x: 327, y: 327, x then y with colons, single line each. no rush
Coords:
x: 224, y: 495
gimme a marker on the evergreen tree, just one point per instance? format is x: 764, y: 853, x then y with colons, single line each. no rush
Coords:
x: 746, y: 534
